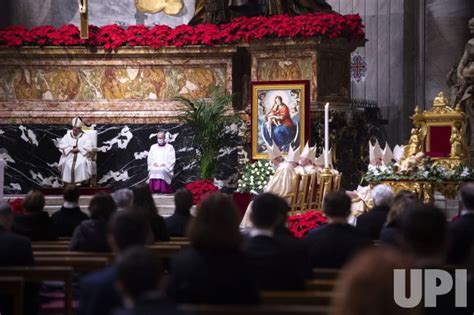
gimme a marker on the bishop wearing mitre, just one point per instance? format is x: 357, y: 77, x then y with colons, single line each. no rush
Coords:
x: 75, y: 147
x: 282, y: 182
x: 161, y: 160
x: 307, y: 161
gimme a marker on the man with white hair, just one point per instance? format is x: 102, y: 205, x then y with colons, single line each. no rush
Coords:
x: 123, y: 199
x: 75, y: 147
x: 372, y: 222
x: 161, y: 160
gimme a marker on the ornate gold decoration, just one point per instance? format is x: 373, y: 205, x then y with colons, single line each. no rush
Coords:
x: 424, y: 190
x: 170, y: 7
x: 440, y: 115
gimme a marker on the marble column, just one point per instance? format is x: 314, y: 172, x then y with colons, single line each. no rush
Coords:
x: 445, y: 36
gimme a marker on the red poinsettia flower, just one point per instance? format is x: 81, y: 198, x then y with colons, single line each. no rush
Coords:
x: 238, y: 30
x: 17, y: 207
x: 301, y: 224
x: 200, y: 188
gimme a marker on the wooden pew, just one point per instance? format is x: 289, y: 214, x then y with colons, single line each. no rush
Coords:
x: 12, y: 287
x: 254, y: 310
x: 322, y: 285
x: 78, y: 264
x: 297, y: 298
x: 39, y: 274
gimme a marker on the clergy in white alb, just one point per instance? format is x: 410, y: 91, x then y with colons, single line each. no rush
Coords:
x: 75, y: 147
x: 161, y: 160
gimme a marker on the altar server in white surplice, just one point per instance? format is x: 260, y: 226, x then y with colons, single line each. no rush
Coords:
x: 161, y: 160
x: 75, y: 148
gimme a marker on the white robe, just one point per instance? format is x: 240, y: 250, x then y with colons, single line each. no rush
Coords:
x: 75, y: 168
x: 280, y: 184
x: 161, y: 162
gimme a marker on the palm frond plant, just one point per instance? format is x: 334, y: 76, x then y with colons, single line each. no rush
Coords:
x: 208, y: 119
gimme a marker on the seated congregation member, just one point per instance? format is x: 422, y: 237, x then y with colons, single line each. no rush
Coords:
x: 161, y: 160
x: 366, y: 285
x: 144, y: 203
x: 69, y: 215
x: 281, y: 230
x: 35, y: 223
x: 424, y: 232
x: 371, y: 223
x: 139, y: 274
x: 278, y: 264
x: 15, y: 250
x: 336, y: 243
x: 98, y: 293
x: 123, y: 199
x: 177, y: 223
x: 213, y: 270
x: 91, y: 235
x: 461, y: 235
x: 391, y: 233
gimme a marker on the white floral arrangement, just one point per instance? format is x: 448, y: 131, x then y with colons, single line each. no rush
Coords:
x: 255, y: 177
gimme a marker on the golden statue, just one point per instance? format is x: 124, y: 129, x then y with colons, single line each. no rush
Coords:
x: 456, y: 143
x: 410, y: 163
x: 414, y: 144
x: 169, y: 7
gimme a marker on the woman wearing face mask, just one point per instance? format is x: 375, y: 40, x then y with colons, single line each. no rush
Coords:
x: 161, y: 160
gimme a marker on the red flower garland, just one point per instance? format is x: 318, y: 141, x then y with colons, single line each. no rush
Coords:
x: 238, y: 30
x: 301, y: 224
x: 200, y: 188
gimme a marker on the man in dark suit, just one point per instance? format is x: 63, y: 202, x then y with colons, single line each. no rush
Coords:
x: 371, y: 223
x: 15, y: 250
x: 460, y: 232
x: 70, y: 215
x: 334, y: 244
x: 279, y: 263
x: 98, y: 294
x: 178, y: 222
x: 139, y: 273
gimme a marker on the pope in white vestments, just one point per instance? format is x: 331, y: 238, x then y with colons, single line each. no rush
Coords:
x: 282, y: 182
x: 161, y: 160
x: 75, y: 147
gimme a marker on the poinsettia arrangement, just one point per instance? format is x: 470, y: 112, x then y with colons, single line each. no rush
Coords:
x: 237, y: 31
x: 200, y: 188
x: 301, y: 224
x: 17, y: 207
x: 255, y: 177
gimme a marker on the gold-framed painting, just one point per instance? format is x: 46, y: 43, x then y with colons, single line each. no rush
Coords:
x: 280, y: 115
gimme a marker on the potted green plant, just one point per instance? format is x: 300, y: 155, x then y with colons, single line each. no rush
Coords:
x: 208, y: 119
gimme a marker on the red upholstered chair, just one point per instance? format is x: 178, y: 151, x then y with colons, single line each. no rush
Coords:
x: 439, y: 130
x: 437, y: 144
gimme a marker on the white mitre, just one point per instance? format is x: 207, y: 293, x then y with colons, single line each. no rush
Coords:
x: 309, y: 153
x: 293, y: 155
x: 387, y: 154
x: 320, y: 159
x: 375, y: 152
x: 77, y: 122
x: 273, y: 151
x: 398, y: 151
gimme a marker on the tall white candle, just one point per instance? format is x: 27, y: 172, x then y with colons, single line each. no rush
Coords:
x: 326, y: 135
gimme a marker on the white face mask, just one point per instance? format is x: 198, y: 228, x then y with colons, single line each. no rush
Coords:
x: 161, y: 141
